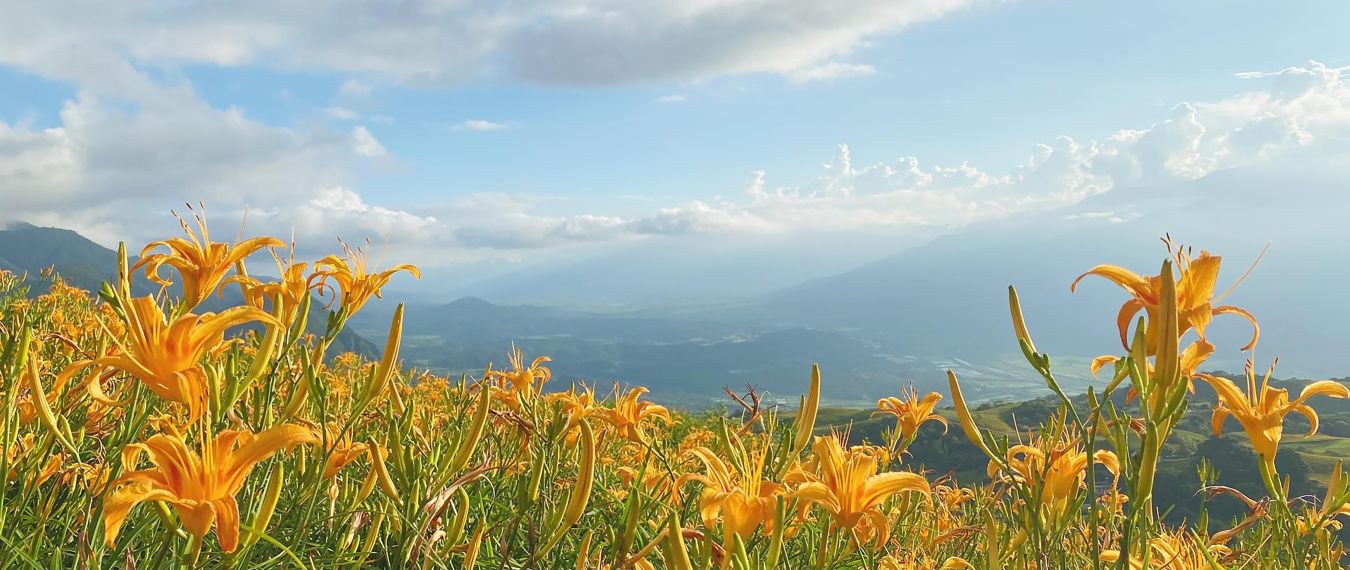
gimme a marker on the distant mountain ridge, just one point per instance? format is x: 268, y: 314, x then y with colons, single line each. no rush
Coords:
x: 948, y: 297
x: 908, y: 316
x: 29, y: 249
x: 25, y: 248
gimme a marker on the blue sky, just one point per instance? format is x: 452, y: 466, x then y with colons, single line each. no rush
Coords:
x: 463, y: 135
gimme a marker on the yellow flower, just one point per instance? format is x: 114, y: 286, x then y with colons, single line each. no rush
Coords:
x: 1189, y: 362
x: 846, y: 484
x: 166, y: 356
x: 743, y: 498
x: 292, y: 290
x: 628, y: 414
x: 1175, y: 550
x: 201, y: 487
x: 200, y: 262
x: 1060, y: 473
x: 355, y: 281
x: 1195, y: 293
x: 911, y: 412
x: 1335, y: 504
x: 577, y: 403
x: 343, y: 451
x: 891, y: 562
x: 19, y: 453
x: 1261, y: 409
x: 522, y: 383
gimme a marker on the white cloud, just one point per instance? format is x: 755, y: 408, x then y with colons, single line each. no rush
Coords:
x: 479, y: 125
x: 354, y: 90
x: 579, y: 42
x: 829, y: 71
x: 109, y: 167
x: 341, y: 113
x: 672, y: 98
x: 112, y: 171
x: 364, y: 143
x: 1304, y: 109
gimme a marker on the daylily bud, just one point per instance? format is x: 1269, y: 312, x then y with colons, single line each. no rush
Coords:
x: 806, y: 416
x: 385, y: 370
x: 475, y: 432
x: 269, y: 504
x: 1019, y: 324
x: 964, y: 418
x: 581, y: 494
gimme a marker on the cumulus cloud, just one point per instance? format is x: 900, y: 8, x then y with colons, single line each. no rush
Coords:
x: 579, y: 42
x: 109, y: 168
x: 1300, y: 109
x: 129, y: 143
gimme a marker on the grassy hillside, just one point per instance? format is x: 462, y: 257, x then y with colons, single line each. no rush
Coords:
x: 1305, y: 460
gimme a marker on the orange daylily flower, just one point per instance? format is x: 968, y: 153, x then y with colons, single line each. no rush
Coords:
x: 201, y: 487
x: 891, y: 562
x: 18, y: 453
x: 201, y: 263
x: 522, y: 383
x: 355, y: 281
x: 743, y: 499
x: 1261, y: 409
x: 1061, y: 473
x: 1195, y: 295
x: 847, y: 485
x: 911, y: 412
x: 629, y: 413
x: 292, y: 290
x: 1175, y: 550
x: 166, y: 356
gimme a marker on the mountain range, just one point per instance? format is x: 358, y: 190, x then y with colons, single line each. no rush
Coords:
x: 903, y: 318
x: 29, y: 250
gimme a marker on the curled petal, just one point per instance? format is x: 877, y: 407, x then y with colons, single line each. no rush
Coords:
x: 1309, y: 413
x: 1216, y: 421
x: 1108, y: 460
x: 815, y: 492
x: 1101, y: 361
x: 1328, y: 388
x: 1136, y: 284
x: 1231, y: 310
x: 1126, y: 317
x: 227, y: 523
x: 886, y: 484
x: 119, y: 504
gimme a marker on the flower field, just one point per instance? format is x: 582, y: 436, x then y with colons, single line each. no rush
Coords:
x: 141, y: 431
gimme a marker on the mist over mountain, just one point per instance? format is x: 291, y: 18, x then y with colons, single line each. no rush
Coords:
x: 948, y: 297
x: 908, y: 316
x: 903, y: 317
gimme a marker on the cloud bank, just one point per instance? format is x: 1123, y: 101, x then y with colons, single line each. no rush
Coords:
x: 572, y: 42
x: 137, y: 139
x: 105, y: 166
